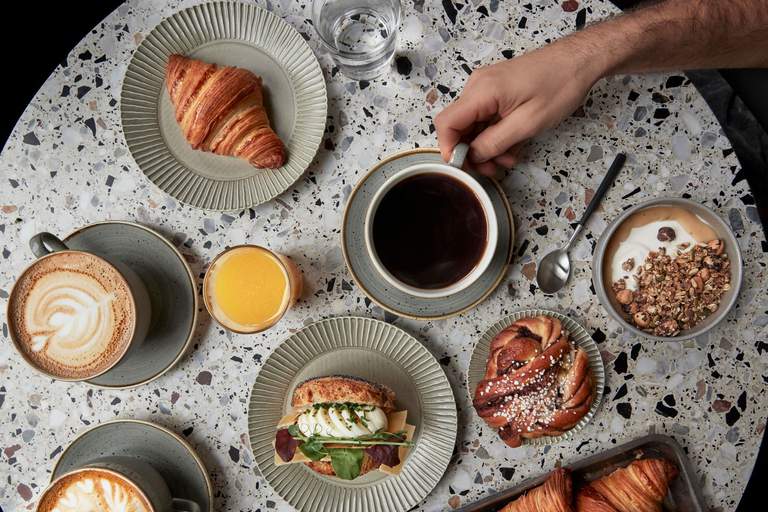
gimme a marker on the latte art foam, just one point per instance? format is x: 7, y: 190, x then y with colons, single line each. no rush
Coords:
x: 93, y: 491
x: 69, y: 316
x: 72, y: 315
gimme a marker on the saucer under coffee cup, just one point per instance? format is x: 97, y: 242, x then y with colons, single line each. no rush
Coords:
x: 181, y: 469
x: 73, y: 315
x: 118, y: 482
x: 114, y: 482
x: 431, y: 229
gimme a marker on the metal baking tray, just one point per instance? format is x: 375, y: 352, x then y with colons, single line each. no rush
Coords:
x: 684, y: 491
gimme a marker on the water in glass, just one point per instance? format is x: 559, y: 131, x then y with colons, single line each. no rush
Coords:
x: 360, y: 34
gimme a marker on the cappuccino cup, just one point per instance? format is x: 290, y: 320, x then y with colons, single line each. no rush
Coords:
x: 72, y: 315
x: 431, y: 229
x: 112, y: 484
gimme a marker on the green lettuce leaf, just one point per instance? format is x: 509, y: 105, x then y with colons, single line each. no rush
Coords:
x: 313, y: 450
x: 346, y: 462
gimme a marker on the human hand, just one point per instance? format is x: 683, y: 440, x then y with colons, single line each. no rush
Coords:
x: 505, y: 104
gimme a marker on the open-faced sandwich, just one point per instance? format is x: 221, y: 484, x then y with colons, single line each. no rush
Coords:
x: 345, y: 427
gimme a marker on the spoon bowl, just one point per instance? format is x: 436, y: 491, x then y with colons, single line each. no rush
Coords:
x: 555, y: 268
x: 553, y: 272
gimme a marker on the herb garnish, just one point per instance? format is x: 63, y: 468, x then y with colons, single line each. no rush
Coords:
x: 347, y: 462
x: 396, y: 438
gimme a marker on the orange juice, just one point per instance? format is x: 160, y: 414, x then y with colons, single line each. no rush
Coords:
x: 249, y: 288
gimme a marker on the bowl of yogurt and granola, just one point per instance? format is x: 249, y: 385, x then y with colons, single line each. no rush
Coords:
x: 667, y: 269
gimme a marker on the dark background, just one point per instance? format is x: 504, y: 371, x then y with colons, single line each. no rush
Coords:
x: 61, y: 25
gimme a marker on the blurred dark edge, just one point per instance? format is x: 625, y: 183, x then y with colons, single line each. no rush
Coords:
x: 739, y: 99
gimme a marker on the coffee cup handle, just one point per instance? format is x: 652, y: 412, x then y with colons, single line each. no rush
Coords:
x: 46, y: 243
x: 182, y: 505
x: 459, y: 155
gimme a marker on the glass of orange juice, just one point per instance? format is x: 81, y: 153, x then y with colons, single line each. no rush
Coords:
x: 248, y: 288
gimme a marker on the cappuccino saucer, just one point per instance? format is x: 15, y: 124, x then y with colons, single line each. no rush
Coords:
x: 172, y: 292
x: 376, y: 287
x: 167, y: 452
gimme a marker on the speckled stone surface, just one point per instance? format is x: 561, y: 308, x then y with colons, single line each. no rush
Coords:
x: 66, y: 165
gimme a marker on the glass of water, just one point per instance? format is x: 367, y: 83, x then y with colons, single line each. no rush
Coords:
x: 359, y: 34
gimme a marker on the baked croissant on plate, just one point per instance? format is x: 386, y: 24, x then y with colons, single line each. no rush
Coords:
x: 220, y: 109
x: 639, y: 487
x: 554, y: 495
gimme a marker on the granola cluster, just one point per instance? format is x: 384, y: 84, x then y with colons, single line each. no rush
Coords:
x: 675, y: 292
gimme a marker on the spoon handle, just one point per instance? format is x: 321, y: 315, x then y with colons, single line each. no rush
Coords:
x: 616, y: 166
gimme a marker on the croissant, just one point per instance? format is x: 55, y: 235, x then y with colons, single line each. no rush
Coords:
x: 640, y: 487
x: 554, y: 495
x: 220, y: 109
x: 536, y: 383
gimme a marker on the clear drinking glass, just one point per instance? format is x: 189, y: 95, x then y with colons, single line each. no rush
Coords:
x: 360, y: 34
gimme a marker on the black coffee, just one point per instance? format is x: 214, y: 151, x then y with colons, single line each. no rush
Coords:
x: 429, y: 231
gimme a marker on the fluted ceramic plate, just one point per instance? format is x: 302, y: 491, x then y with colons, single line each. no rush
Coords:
x: 370, y: 280
x: 379, y: 352
x: 232, y: 34
x: 578, y: 335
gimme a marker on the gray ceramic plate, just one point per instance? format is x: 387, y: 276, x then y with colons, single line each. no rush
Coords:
x: 234, y: 34
x: 171, y: 288
x: 376, y: 287
x: 578, y: 334
x: 379, y: 352
x: 163, y: 449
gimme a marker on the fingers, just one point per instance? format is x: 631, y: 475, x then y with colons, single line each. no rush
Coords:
x: 488, y: 168
x: 451, y: 124
x: 510, y: 158
x: 461, y: 117
x: 498, y: 138
x: 506, y: 160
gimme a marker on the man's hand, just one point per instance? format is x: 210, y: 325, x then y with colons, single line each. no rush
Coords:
x: 507, y: 103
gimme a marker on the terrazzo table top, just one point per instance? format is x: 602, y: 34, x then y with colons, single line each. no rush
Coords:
x: 67, y: 165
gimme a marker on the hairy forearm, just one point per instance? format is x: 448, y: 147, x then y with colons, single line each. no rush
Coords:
x: 676, y: 34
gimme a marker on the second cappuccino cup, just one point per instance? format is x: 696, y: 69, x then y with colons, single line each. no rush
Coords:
x: 122, y: 483
x: 73, y: 315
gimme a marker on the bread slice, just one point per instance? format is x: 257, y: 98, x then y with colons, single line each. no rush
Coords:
x: 341, y: 388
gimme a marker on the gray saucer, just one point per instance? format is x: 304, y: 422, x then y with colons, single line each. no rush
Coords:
x: 379, y: 290
x: 163, y: 449
x: 171, y: 288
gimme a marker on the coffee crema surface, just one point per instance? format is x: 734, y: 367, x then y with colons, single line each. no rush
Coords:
x: 72, y: 315
x: 430, y: 231
x: 93, y: 490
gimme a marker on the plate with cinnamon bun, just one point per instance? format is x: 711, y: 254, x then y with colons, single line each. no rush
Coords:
x: 223, y: 105
x: 536, y: 377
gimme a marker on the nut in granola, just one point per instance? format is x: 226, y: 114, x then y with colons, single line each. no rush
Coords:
x: 666, y: 234
x: 675, y: 292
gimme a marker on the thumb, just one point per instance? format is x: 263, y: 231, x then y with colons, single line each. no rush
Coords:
x: 497, y: 138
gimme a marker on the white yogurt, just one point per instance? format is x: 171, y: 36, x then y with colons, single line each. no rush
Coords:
x: 641, y: 241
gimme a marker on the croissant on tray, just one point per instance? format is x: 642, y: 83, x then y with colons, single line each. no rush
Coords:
x: 536, y: 382
x: 220, y: 109
x: 639, y: 487
x: 554, y: 495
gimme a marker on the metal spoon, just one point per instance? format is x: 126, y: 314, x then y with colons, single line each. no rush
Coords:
x: 555, y: 268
